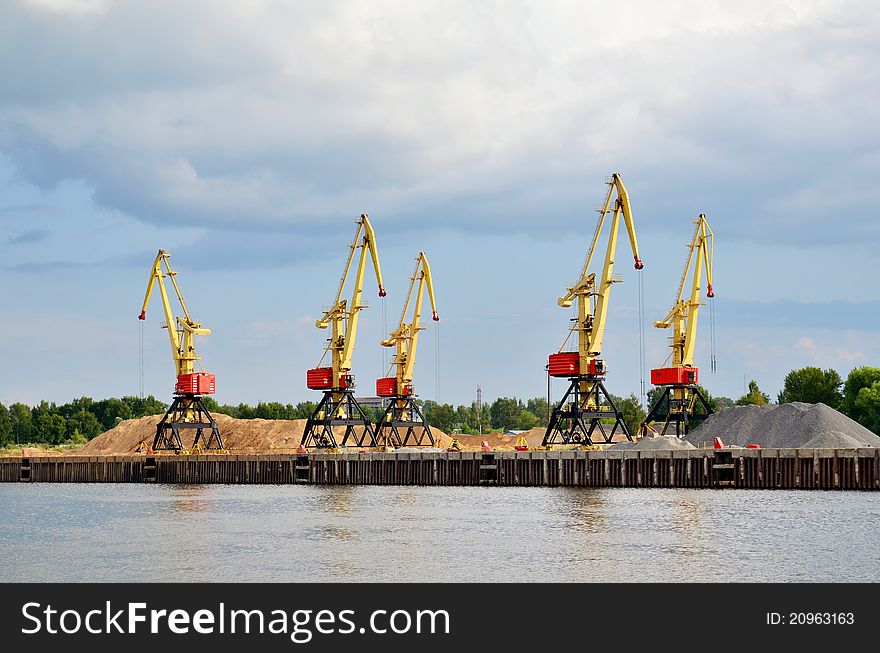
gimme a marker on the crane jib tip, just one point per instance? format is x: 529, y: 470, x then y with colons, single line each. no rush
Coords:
x: 382, y: 292
x: 639, y: 264
x: 143, y: 315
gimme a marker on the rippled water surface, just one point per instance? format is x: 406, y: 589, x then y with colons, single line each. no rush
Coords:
x: 124, y: 533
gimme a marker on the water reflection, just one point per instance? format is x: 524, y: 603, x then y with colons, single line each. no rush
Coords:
x: 335, y: 498
x: 585, y: 509
x: 190, y: 499
x: 360, y: 533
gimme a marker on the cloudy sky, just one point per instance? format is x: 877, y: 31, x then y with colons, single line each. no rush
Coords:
x: 246, y: 136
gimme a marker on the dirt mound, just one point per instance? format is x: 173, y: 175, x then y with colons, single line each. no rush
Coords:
x: 475, y: 442
x: 535, y: 436
x: 791, y: 425
x: 246, y: 435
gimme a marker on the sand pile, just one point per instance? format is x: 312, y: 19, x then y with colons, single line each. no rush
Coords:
x: 535, y: 436
x: 238, y: 435
x: 792, y: 425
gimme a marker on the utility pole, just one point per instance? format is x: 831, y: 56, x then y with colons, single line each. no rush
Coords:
x: 549, y: 406
x: 480, y: 409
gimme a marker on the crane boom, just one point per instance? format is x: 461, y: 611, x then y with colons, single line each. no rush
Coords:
x: 338, y: 407
x: 403, y: 422
x: 685, y: 311
x: 181, y: 330
x: 680, y: 401
x: 575, y: 422
x: 342, y: 316
x: 593, y: 301
x: 406, y: 336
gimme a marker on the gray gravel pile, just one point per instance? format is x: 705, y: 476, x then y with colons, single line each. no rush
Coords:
x: 661, y: 442
x: 792, y: 425
x: 834, y: 440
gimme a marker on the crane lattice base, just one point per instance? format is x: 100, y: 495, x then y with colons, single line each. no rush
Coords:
x: 681, y: 413
x: 187, y: 412
x: 573, y: 423
x: 319, y: 427
x: 394, y: 430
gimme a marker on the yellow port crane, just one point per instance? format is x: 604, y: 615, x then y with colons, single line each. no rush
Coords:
x: 586, y: 402
x: 338, y: 407
x: 681, y: 400
x: 403, y: 423
x: 187, y: 410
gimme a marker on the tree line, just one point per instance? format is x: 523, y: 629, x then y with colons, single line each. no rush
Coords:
x: 75, y: 422
x: 80, y: 420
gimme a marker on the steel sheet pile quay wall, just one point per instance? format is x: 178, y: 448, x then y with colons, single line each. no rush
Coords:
x: 81, y: 469
x: 845, y: 469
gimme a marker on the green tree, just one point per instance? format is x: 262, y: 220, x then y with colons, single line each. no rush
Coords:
x: 723, y: 403
x: 110, y: 411
x: 143, y: 406
x: 270, y: 410
x: 441, y: 416
x: 505, y: 413
x: 655, y: 392
x: 867, y: 406
x: 245, y: 412
x: 632, y: 413
x: 811, y: 385
x: 22, y: 423
x: 211, y: 405
x: 75, y: 406
x: 49, y: 427
x: 861, y: 397
x: 526, y: 420
x: 5, y: 427
x: 754, y: 396
x: 539, y: 408
x: 85, y: 424
x: 304, y: 409
x: 373, y: 413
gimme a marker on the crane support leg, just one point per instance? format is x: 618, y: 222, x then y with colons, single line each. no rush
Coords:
x: 578, y: 416
x: 403, y: 425
x: 319, y: 426
x: 187, y: 412
x: 682, y: 412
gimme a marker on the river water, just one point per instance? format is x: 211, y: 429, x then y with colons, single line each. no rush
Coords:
x: 125, y: 533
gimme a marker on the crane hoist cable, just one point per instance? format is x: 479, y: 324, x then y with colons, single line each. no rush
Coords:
x: 141, y: 359
x: 642, y: 340
x: 437, y: 360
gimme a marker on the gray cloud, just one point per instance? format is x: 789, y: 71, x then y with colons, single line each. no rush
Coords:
x: 28, y: 237
x: 278, y: 116
x: 47, y: 266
